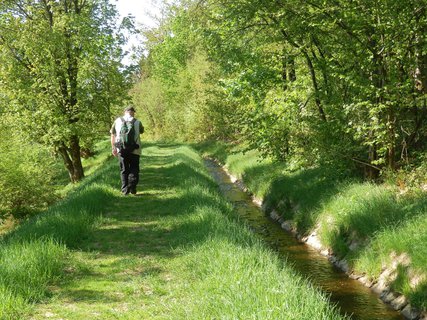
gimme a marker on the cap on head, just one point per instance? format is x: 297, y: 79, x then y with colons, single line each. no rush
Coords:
x: 130, y: 108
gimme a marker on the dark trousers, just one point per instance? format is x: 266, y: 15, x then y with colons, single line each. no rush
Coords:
x: 129, y: 172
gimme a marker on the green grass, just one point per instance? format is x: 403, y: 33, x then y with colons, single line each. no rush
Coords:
x: 384, y: 225
x: 12, y: 306
x: 27, y: 267
x: 408, y: 238
x: 361, y: 210
x: 376, y: 219
x: 174, y: 251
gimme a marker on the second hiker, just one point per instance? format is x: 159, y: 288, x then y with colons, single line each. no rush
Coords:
x: 126, y: 145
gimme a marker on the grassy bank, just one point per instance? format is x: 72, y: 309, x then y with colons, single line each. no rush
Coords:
x: 38, y: 252
x: 374, y: 227
x: 174, y: 251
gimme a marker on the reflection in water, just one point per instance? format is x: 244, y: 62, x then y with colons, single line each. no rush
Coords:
x: 350, y: 295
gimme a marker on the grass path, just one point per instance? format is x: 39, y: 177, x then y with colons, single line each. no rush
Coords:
x: 175, y: 251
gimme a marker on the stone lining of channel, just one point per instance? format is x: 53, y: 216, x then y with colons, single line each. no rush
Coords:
x: 379, y: 286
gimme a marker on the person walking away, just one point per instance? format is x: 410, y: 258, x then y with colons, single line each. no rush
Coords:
x: 126, y: 145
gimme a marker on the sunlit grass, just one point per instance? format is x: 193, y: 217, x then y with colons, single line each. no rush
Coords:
x: 248, y: 284
x: 27, y: 267
x: 101, y: 155
x: 12, y: 305
x: 407, y: 240
x: 356, y: 213
x: 382, y: 226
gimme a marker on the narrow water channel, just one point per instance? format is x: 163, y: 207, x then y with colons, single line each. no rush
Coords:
x: 351, y: 297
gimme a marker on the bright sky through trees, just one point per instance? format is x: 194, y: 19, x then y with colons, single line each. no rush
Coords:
x: 144, y: 12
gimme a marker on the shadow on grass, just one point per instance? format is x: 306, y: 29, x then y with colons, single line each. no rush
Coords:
x: 402, y: 283
x: 146, y: 237
x: 159, y: 219
x: 90, y: 296
x: 296, y: 195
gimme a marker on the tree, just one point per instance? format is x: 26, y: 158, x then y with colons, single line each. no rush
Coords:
x: 173, y: 89
x: 365, y: 61
x: 318, y: 80
x: 60, y: 70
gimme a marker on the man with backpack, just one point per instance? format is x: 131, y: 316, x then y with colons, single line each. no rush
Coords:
x: 125, y: 144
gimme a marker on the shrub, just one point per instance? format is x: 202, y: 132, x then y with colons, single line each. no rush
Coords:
x: 26, y: 174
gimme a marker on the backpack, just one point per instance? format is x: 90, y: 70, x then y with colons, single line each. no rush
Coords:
x: 126, y: 142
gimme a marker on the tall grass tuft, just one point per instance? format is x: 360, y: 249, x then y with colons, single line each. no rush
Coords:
x: 360, y: 212
x: 26, y: 268
x: 236, y: 277
x: 12, y: 306
x: 249, y: 283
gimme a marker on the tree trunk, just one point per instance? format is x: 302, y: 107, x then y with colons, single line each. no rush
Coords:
x: 72, y: 159
x: 391, y: 122
x: 421, y: 74
x: 288, y: 71
x: 285, y: 73
x: 315, y: 86
x: 292, y: 76
x: 379, y: 81
x: 372, y: 173
x: 76, y: 159
x: 67, y: 160
x: 421, y: 57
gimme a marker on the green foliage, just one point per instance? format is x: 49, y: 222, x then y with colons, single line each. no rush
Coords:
x: 175, y: 92
x: 310, y: 82
x: 411, y: 176
x: 27, y: 172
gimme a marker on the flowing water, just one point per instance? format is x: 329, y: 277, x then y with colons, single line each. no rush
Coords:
x: 351, y: 297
